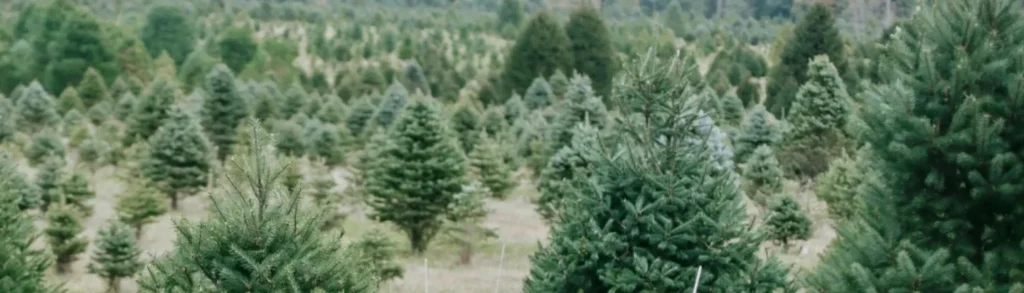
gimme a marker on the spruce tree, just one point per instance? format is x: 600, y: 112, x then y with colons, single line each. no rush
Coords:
x: 117, y: 255
x: 378, y: 252
x: 288, y: 138
x: 510, y: 13
x: 815, y: 35
x: 223, y: 109
x: 27, y: 194
x: 361, y: 113
x: 139, y: 205
x: 572, y: 162
x: 151, y: 110
x: 559, y: 83
x: 581, y: 106
x: 464, y: 227
x: 391, y: 105
x: 48, y: 180
x: 125, y: 106
x: 196, y: 68
x: 266, y: 104
x: 592, y: 52
x: 514, y: 109
x: 334, y: 111
x: 757, y: 130
x: 168, y: 30
x: 252, y: 205
x: 68, y: 101
x: 732, y: 109
x: 179, y: 160
x: 787, y: 222
x: 22, y: 267
x: 539, y: 95
x: 295, y: 101
x: 120, y: 87
x: 662, y: 209
x: 325, y: 142
x: 542, y: 48
x: 321, y: 189
x: 494, y: 121
x: 763, y: 175
x: 822, y: 105
x: 415, y: 79
x: 838, y: 187
x: 94, y: 153
x: 72, y: 120
x: 465, y: 122
x: 36, y: 109
x: 44, y: 146
x: 62, y: 233
x: 400, y: 193
x: 487, y: 165
x: 75, y: 192
x: 92, y: 89
x: 100, y: 112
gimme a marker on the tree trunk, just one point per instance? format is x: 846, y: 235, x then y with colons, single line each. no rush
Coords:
x: 138, y: 232
x: 174, y: 201
x: 114, y: 285
x: 417, y: 242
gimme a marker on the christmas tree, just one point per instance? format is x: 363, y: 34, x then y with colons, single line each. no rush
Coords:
x: 581, y: 106
x: 151, y: 110
x: 68, y: 101
x: 732, y: 109
x: 256, y: 225
x: 510, y: 13
x: 45, y: 145
x: 333, y: 111
x: 117, y: 255
x: 295, y: 100
x: 35, y: 109
x: 223, y: 109
x: 514, y: 109
x: 571, y: 163
x: 361, y: 113
x: 391, y: 106
x: 815, y: 35
x: 787, y: 222
x: 465, y: 122
x: 822, y: 105
x: 288, y: 136
x: 325, y: 142
x: 464, y: 227
x: 591, y: 46
x: 125, y: 106
x: 141, y: 204
x: 179, y: 160
x: 759, y: 129
x: 378, y: 252
x: 538, y: 95
x: 22, y: 267
x: 541, y: 48
x: 76, y: 192
x: 92, y: 89
x: 48, y: 180
x: 763, y: 174
x: 487, y: 165
x: 62, y: 233
x: 559, y: 83
x: 838, y: 186
x: 400, y: 189
x: 325, y: 197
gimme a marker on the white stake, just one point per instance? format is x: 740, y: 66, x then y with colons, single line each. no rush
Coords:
x: 501, y: 263
x: 697, y: 281
x: 426, y: 280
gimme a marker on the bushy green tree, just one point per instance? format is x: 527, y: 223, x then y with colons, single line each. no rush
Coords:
x: 494, y: 122
x: 322, y: 190
x: 195, y: 69
x: 514, y: 109
x: 27, y: 195
x: 22, y: 267
x: 48, y: 180
x: 416, y: 79
x: 592, y: 52
x: 581, y: 106
x: 93, y: 89
x: 572, y: 162
x: 815, y: 35
x: 35, y: 109
x: 379, y: 253
x: 75, y: 192
x: 125, y: 106
x: 223, y: 109
x: 465, y: 122
x: 787, y: 222
x: 559, y: 83
x: 167, y: 29
x: 100, y: 112
x: 487, y: 165
x: 510, y: 13
x: 465, y: 227
x: 675, y: 19
x: 288, y: 138
x: 68, y: 42
x: 418, y: 144
x: 62, y: 233
x: 662, y: 209
x: 732, y: 109
x: 139, y: 205
x: 151, y: 110
x: 757, y: 130
x: 391, y: 105
x: 295, y: 101
x: 763, y: 174
x: 325, y: 142
x: 542, y: 47
x: 179, y: 159
x: 334, y: 110
x: 237, y: 48
x: 117, y: 255
x: 69, y: 100
x: 822, y: 105
x: 251, y: 204
x: 94, y: 152
x: 45, y: 145
x: 539, y: 95
x: 360, y: 114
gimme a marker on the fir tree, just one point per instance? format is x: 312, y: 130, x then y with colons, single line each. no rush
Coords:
x: 815, y: 35
x: 100, y: 112
x: 464, y: 227
x: 379, y: 253
x: 646, y: 237
x: 93, y: 89
x: 27, y: 194
x: 22, y: 267
x: 418, y: 144
x: 391, y: 105
x: 487, y: 165
x: 539, y: 95
x: 266, y: 104
x: 223, y: 109
x: 325, y: 142
x: 732, y: 109
x: 415, y: 79
x: 763, y: 174
x: 822, y: 105
x: 35, y: 109
x: 514, y: 109
x: 45, y: 145
x: 141, y: 204
x: 510, y: 13
x: 289, y: 140
x: 787, y: 222
x: 581, y: 106
x: 168, y: 30
x: 295, y: 101
x: 542, y: 47
x: 94, y: 153
x: 237, y: 47
x: 838, y: 187
x: 334, y: 111
x: 592, y: 52
x: 125, y: 106
x: 675, y: 19
x: 757, y: 130
x: 117, y: 255
x: 120, y: 87
x: 62, y: 234
x: 75, y: 192
x: 465, y: 122
x: 151, y: 110
x: 559, y: 83
x: 68, y: 101
x: 251, y: 204
x: 361, y: 113
x: 179, y: 160
x: 71, y: 120
x: 572, y: 162
x: 324, y: 197
x: 48, y: 180
x: 196, y: 68
x: 494, y: 121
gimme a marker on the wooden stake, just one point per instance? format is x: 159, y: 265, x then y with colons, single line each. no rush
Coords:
x: 697, y: 281
x: 501, y: 263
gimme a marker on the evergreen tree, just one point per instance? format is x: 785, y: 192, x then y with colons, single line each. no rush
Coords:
x: 465, y: 122
x: 514, y: 109
x: 379, y: 253
x: 62, y: 234
x: 757, y: 130
x: 117, y: 255
x: 417, y: 145
x: 334, y: 111
x: 141, y: 204
x: 22, y: 267
x: 510, y: 13
x: 325, y: 142
x: 92, y: 89
x: 732, y: 109
x: 646, y: 237
x: 763, y: 174
x: 559, y: 83
x: 151, y: 111
x: 75, y: 192
x: 494, y: 122
x: 464, y: 227
x: 838, y: 187
x: 675, y: 19
x: 391, y: 105
x: 100, y: 112
x: 44, y: 146
x: 94, y: 152
x: 251, y: 204
x: 581, y: 106
x: 539, y: 95
x: 72, y: 120
x: 196, y: 69
x: 815, y: 35
x: 125, y: 106
x: 48, y: 180
x: 120, y: 87
x: 237, y: 47
x: 179, y: 160
x: 167, y: 29
x: 35, y: 109
x: 68, y: 101
x: 822, y: 105
x: 266, y: 102
x: 73, y: 41
x: 542, y: 47
x: 289, y: 140
x: 787, y: 222
x: 322, y: 191
x: 487, y: 165
x: 295, y: 101
x: 415, y: 79
x: 223, y: 109
x: 572, y: 162
x: 361, y: 113
x: 592, y: 52
x: 27, y: 195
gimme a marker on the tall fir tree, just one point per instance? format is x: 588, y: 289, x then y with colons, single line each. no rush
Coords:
x: 223, y: 109
x: 466, y: 124
x: 487, y: 165
x: 542, y: 48
x: 816, y: 34
x: 252, y: 204
x: 140, y: 205
x: 151, y: 110
x: 62, y: 233
x: 400, y: 193
x: 93, y: 89
x: 571, y: 163
x: 510, y: 13
x: 822, y: 105
x: 167, y: 29
x: 35, y: 109
x: 763, y: 175
x: 539, y: 95
x: 581, y: 106
x: 760, y: 128
x: 646, y: 237
x: 391, y: 105
x: 592, y: 52
x: 179, y: 159
x: 22, y: 266
x: 116, y: 255
x: 732, y: 109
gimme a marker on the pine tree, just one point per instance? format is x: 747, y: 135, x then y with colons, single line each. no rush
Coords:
x: 289, y: 140
x: 334, y: 111
x: 223, y: 109
x: 179, y: 161
x: 787, y: 222
x: 71, y: 120
x: 100, y: 112
x: 542, y: 47
x: 391, y: 105
x: 539, y: 95
x: 151, y: 110
x: 572, y: 162
x: 93, y: 89
x: 732, y: 109
x: 592, y: 52
x: 251, y: 204
x: 581, y: 106
x: 266, y: 104
x: 464, y: 227
x: 62, y: 234
x: 559, y: 83
x: 141, y: 204
x: 757, y: 130
x: 361, y: 113
x: 838, y: 187
x: 487, y: 165
x: 325, y: 142
x: 379, y: 253
x: 510, y: 13
x: 76, y: 192
x: 494, y: 122
x: 45, y: 145
x: 822, y: 105
x: 68, y: 101
x: 763, y: 174
x: 196, y: 69
x: 417, y: 145
x: 94, y: 152
x: 125, y: 106
x: 27, y: 195
x: 514, y: 109
x: 22, y: 267
x: 168, y: 30
x: 465, y: 122
x: 48, y: 179
x: 324, y: 197
x: 35, y: 109
x: 117, y: 255
x: 295, y: 100
x: 647, y: 238
x: 415, y: 79
x: 815, y: 35
x: 120, y: 87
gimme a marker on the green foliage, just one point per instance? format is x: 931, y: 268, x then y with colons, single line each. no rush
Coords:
x: 494, y: 121
x: 510, y: 13
x: 787, y: 222
x: 266, y: 101
x: 487, y: 165
x: 26, y: 194
x: 75, y: 192
x: 514, y: 109
x: 465, y: 122
x: 45, y: 145
x: 179, y: 159
x: 325, y: 142
x: 822, y: 105
x: 151, y: 110
x: 592, y: 52
x: 815, y: 35
x: 379, y: 253
x: 539, y: 95
x: 48, y: 179
x: 117, y: 255
x: 62, y: 234
x: 391, y: 105
x: 93, y: 89
x: 288, y: 138
x: 749, y: 92
x: 35, y: 109
x: 167, y: 29
x: 763, y: 174
x: 400, y: 190
x: 251, y: 204
x: 360, y: 115
x: 415, y: 79
x: 334, y: 111
x: 838, y: 187
x: 581, y: 106
x: 321, y: 189
x: 195, y: 70
x: 572, y: 162
x: 68, y: 101
x: 759, y: 129
x: 94, y: 152
x: 465, y: 222
x: 70, y: 41
x: 237, y: 48
x: 125, y: 106
x: 100, y: 112
x: 71, y: 120
x: 559, y: 83
x: 223, y: 109
x: 675, y: 19
x: 139, y: 205
x: 23, y: 268
x: 732, y: 109
x: 542, y: 47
